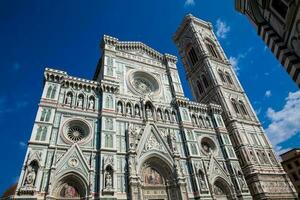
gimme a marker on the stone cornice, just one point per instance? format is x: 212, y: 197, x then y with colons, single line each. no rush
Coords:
x: 186, y: 21
x: 137, y: 46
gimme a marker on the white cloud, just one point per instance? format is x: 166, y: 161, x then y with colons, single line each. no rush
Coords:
x: 268, y: 93
x: 234, y: 62
x: 22, y: 144
x: 285, y: 122
x: 189, y: 3
x: 222, y: 29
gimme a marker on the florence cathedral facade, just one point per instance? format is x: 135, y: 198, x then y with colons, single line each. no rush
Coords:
x: 130, y: 133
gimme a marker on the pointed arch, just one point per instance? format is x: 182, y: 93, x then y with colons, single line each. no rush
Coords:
x: 205, y: 81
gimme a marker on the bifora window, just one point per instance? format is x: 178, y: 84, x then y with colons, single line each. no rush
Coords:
x: 211, y: 49
x: 193, y: 56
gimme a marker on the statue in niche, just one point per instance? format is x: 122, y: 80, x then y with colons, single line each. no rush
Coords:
x: 69, y: 98
x: 120, y: 108
x: 80, y: 101
x: 108, y: 180
x: 91, y: 104
x: 128, y: 109
x: 149, y: 112
x: 137, y: 111
x: 240, y: 178
x: 31, y: 175
x: 202, y: 180
x: 159, y: 116
x: 131, y: 165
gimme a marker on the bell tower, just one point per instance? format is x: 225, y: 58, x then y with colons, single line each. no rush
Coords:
x: 213, y: 80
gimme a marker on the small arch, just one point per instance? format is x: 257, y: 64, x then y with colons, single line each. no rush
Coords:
x: 137, y: 111
x: 80, y: 100
x: 174, y: 116
x: 149, y: 110
x: 69, y: 98
x: 128, y: 109
x: 120, y: 107
x: 194, y: 120
x: 159, y: 114
x: 167, y: 115
x: 92, y: 102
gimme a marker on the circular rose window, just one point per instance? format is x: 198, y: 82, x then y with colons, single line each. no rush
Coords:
x: 208, y: 145
x: 76, y: 131
x: 143, y: 83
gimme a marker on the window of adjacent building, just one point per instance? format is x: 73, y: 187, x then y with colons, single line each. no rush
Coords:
x: 45, y: 115
x: 211, y: 49
x: 280, y: 7
x: 193, y: 56
x: 51, y: 92
x: 289, y: 166
x: 297, y: 163
x: 41, y: 133
x: 108, y: 140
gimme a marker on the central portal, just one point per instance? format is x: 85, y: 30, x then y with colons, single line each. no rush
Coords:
x: 157, y: 181
x: 154, y: 187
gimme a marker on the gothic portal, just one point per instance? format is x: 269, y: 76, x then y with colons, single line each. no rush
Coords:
x: 130, y: 133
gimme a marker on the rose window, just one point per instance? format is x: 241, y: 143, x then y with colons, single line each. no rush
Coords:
x: 208, y: 145
x: 76, y: 131
x: 143, y: 83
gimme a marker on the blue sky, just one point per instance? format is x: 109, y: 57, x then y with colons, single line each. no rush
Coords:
x: 66, y: 35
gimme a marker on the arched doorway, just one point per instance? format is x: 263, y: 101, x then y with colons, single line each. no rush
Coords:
x: 70, y: 187
x: 221, y: 190
x: 157, y: 181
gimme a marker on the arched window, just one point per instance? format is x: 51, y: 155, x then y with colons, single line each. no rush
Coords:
x: 234, y: 104
x: 38, y: 133
x: 211, y: 49
x: 44, y: 134
x: 201, y: 121
x: 44, y: 111
x: 205, y: 82
x: 174, y: 116
x: 137, y: 110
x: 53, y: 92
x: 185, y: 115
x: 193, y: 56
x: 194, y: 120
x: 243, y: 108
x: 48, y: 114
x: 49, y: 91
x: 221, y: 76
x: 199, y: 86
x: 228, y: 77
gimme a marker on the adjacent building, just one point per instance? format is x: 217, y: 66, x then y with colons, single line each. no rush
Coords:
x: 291, y: 164
x: 277, y: 22
x: 130, y: 133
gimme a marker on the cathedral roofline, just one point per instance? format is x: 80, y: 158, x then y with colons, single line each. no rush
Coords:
x: 62, y: 76
x: 137, y: 45
x: 186, y: 21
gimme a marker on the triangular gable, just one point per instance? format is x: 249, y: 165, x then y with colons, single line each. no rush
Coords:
x: 72, y: 160
x: 152, y: 140
x: 215, y: 170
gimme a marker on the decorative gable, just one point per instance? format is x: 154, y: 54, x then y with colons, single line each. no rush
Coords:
x: 72, y: 160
